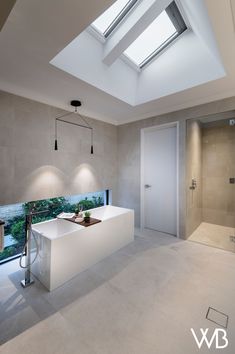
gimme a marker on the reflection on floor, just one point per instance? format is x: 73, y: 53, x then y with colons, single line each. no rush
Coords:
x: 142, y: 299
x: 215, y: 235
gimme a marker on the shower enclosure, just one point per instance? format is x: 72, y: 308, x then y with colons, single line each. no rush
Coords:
x: 210, y: 186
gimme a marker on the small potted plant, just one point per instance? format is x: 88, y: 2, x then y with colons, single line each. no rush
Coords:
x: 87, y: 216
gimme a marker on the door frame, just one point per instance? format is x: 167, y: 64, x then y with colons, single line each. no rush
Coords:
x: 142, y: 137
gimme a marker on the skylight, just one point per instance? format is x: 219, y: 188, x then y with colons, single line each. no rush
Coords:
x: 160, y: 30
x: 160, y: 33
x: 109, y: 20
x: 164, y: 29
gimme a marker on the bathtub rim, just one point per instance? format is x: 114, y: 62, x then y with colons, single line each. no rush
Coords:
x: 78, y: 226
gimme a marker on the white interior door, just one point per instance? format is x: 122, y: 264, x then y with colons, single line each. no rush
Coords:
x: 159, y: 173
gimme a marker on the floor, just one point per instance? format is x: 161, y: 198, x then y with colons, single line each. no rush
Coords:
x: 144, y: 299
x: 215, y: 235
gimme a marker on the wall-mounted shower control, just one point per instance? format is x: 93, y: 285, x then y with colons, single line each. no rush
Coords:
x: 232, y: 180
x: 232, y: 122
x: 193, y: 184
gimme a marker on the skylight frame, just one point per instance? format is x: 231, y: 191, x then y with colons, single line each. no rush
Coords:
x: 119, y: 17
x: 116, y: 21
x: 177, y: 20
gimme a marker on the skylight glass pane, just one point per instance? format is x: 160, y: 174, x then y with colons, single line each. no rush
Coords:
x: 160, y: 30
x: 105, y: 20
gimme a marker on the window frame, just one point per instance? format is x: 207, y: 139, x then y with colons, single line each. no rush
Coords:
x: 116, y: 21
x: 176, y: 18
x: 174, y: 15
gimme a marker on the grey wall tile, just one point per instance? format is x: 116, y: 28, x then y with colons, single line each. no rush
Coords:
x: 31, y: 169
x: 129, y: 159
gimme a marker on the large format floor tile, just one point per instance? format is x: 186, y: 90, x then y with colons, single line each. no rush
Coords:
x: 142, y: 299
x: 215, y: 235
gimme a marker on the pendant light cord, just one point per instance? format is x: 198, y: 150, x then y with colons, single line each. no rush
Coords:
x: 87, y: 126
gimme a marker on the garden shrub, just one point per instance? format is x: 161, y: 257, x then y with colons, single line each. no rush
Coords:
x: 16, y: 225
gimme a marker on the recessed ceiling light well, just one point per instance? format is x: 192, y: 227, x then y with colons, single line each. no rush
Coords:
x: 147, y: 46
x: 165, y: 28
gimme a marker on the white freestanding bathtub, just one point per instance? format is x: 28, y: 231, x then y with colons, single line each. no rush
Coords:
x: 66, y: 248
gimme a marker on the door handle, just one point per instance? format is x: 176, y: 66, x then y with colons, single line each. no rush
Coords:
x: 146, y: 186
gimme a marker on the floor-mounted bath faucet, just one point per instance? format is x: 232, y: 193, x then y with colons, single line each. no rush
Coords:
x: 27, y: 247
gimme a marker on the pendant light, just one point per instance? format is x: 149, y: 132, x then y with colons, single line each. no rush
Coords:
x: 86, y: 125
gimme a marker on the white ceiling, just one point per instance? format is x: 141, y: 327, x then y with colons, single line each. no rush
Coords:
x: 191, y: 60
x: 37, y: 30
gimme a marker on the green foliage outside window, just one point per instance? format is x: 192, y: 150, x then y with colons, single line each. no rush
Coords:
x: 16, y: 226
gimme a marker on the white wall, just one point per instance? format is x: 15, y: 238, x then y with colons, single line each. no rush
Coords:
x: 83, y: 59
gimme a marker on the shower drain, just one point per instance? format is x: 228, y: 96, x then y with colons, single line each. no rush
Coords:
x: 217, y: 317
x: 232, y: 239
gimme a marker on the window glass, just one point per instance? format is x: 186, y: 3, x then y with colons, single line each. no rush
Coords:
x: 104, y: 21
x: 155, y: 35
x: 14, y: 217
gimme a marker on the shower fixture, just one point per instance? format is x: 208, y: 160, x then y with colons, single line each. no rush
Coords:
x: 86, y: 125
x: 193, y: 185
x: 232, y: 122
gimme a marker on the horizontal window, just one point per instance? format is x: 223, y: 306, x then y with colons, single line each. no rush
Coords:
x: 14, y: 217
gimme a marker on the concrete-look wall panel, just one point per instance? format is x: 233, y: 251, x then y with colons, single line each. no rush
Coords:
x: 194, y: 171
x: 31, y: 169
x: 218, y: 167
x: 129, y: 156
x: 7, y: 172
